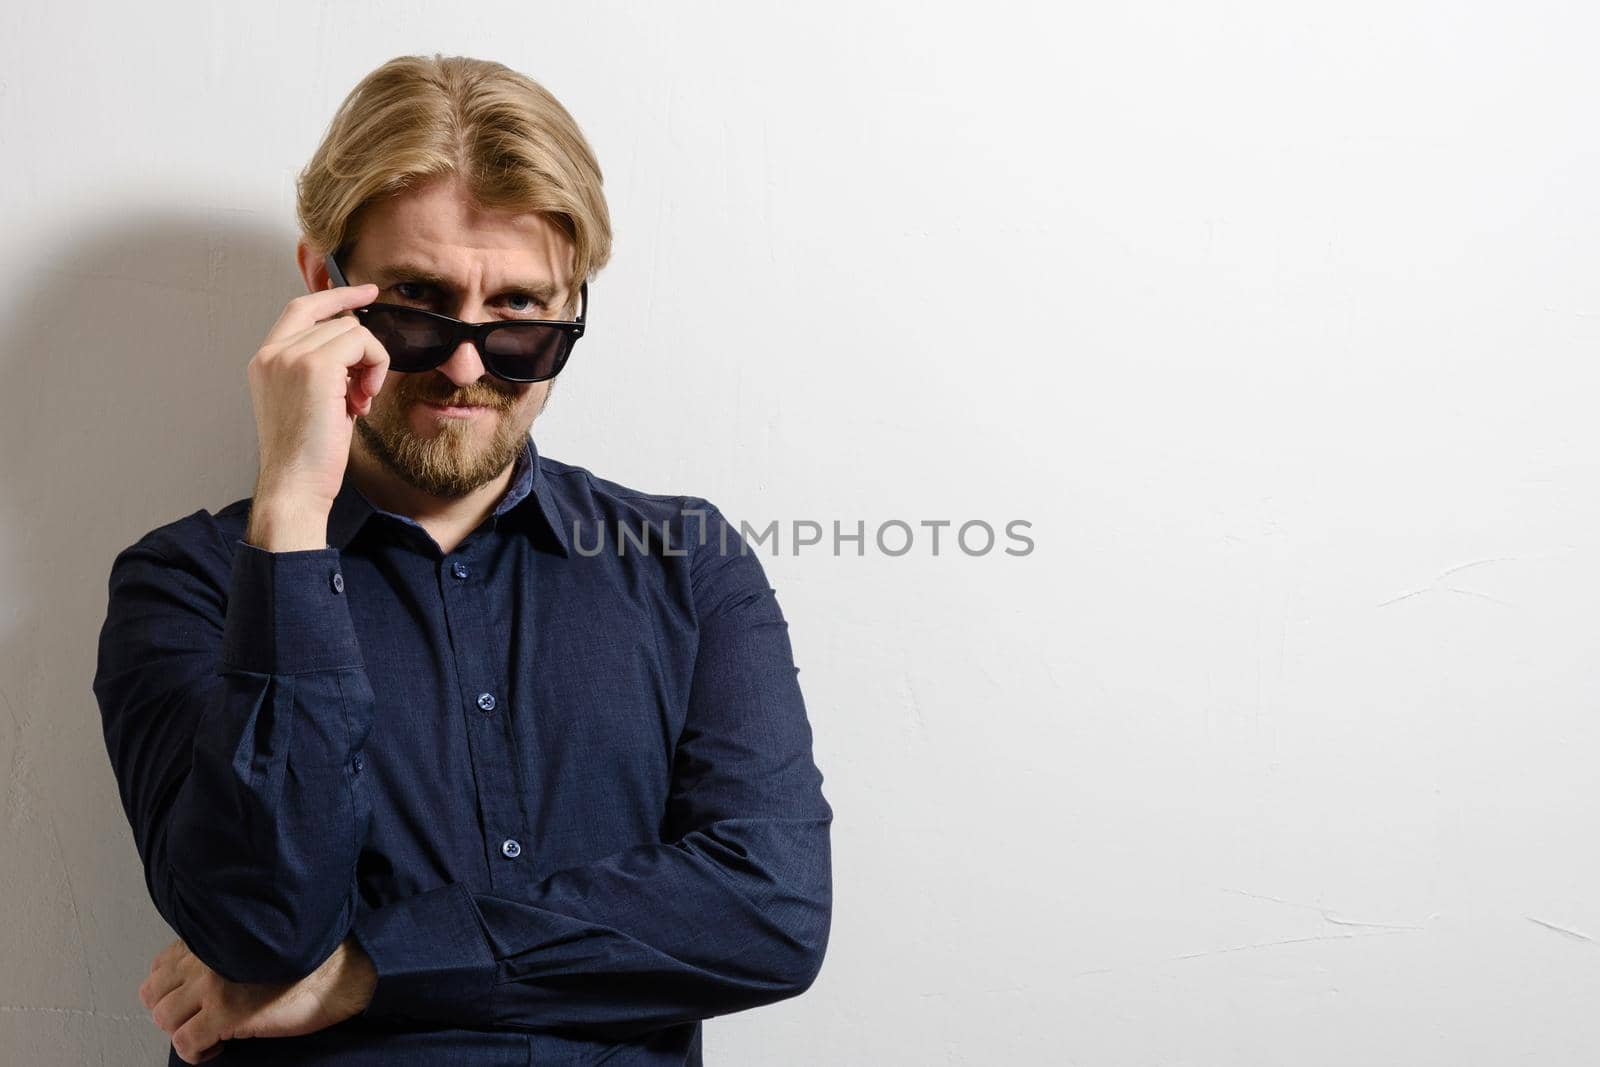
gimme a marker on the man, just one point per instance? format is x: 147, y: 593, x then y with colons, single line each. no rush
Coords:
x: 436, y: 749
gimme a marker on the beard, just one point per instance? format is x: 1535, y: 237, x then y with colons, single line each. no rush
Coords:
x: 451, y: 463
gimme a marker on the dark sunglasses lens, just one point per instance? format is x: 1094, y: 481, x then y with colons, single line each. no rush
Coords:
x: 413, y: 340
x: 526, y: 350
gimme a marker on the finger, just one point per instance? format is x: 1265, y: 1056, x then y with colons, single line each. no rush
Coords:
x: 178, y: 1007
x: 157, y: 984
x: 363, y: 353
x: 167, y: 953
x: 353, y: 344
x: 362, y: 393
x: 370, y: 378
x: 212, y: 1053
x: 171, y: 966
x: 303, y: 312
x: 196, y: 1036
x: 318, y: 335
x: 367, y: 362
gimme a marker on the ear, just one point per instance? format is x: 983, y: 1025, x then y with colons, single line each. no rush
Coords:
x: 312, y: 268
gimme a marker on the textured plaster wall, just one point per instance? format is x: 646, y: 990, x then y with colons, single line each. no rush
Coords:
x: 1277, y: 321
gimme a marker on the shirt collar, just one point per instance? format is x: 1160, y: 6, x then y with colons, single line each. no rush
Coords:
x: 529, y: 496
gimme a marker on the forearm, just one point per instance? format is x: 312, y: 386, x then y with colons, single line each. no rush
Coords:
x: 234, y: 733
x: 254, y: 864
x: 725, y: 919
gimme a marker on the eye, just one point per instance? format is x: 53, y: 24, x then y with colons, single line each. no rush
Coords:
x: 418, y: 292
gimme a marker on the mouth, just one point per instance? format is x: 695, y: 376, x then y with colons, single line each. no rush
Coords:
x: 455, y: 411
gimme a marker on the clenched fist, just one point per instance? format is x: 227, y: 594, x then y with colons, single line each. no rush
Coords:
x: 201, y: 1009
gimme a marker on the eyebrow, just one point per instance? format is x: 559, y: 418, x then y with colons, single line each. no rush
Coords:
x: 385, y: 276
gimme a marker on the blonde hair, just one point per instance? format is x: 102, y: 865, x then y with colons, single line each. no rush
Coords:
x: 416, y: 119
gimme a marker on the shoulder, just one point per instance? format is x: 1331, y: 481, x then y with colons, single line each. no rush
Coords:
x: 188, y: 560
x: 201, y: 541
x: 607, y: 515
x: 588, y: 493
x: 592, y: 502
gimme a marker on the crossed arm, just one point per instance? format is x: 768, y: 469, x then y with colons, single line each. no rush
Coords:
x: 233, y: 736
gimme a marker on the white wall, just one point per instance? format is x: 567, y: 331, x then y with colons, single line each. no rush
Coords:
x: 1277, y: 321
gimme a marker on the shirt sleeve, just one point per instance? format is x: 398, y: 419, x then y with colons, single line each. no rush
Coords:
x: 234, y: 718
x: 731, y: 911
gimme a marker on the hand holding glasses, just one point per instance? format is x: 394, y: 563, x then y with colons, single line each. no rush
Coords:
x: 517, y: 350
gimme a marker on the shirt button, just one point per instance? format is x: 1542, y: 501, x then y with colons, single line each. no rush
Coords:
x: 486, y: 701
x: 337, y: 581
x: 459, y: 569
x: 355, y: 763
x: 510, y: 848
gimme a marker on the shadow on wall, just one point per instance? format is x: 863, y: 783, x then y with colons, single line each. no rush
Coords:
x: 128, y: 407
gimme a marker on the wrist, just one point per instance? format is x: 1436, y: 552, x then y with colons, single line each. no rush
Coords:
x: 357, y: 975
x: 279, y: 524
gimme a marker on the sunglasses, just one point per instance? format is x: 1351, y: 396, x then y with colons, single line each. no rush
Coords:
x: 518, y: 350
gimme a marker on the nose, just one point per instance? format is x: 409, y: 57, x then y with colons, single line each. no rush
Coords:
x: 465, y: 364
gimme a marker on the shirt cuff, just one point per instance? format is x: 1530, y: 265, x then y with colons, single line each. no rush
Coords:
x: 287, y: 613
x: 431, y: 956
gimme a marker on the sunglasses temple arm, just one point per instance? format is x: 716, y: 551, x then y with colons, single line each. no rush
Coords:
x: 334, y: 273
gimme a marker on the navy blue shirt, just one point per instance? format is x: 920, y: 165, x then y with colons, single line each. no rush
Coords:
x: 558, y: 782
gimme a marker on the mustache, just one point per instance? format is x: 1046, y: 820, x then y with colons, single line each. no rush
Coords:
x: 488, y: 400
